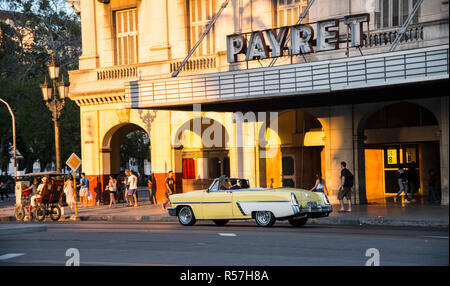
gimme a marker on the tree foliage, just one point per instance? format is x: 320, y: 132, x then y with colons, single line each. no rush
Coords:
x: 135, y: 149
x: 29, y: 33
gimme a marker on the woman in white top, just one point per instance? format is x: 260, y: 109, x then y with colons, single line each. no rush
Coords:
x: 112, y: 187
x: 68, y: 190
x: 320, y: 186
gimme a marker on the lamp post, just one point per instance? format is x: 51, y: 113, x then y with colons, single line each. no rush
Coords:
x: 55, y: 102
x: 14, y: 139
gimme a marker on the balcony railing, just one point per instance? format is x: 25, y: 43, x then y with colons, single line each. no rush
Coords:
x: 195, y: 64
x: 122, y: 72
x: 386, y: 37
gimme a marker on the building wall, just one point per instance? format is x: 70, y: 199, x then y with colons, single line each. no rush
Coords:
x: 99, y: 88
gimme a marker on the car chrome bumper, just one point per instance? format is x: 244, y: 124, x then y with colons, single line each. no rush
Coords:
x: 172, y: 211
x: 315, y: 211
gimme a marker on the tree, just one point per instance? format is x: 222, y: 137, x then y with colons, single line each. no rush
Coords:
x: 135, y: 148
x: 33, y: 31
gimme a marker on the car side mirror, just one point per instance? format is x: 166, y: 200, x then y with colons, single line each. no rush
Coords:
x: 207, y: 190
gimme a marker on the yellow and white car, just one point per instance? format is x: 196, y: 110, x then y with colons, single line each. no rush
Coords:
x: 232, y: 199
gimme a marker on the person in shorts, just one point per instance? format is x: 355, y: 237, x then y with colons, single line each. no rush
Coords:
x: 84, y: 190
x: 33, y: 200
x: 127, y: 187
x: 170, y: 187
x: 29, y: 193
x: 132, y: 183
x: 345, y: 190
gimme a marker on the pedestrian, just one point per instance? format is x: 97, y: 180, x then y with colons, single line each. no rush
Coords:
x: 345, y: 190
x: 29, y: 193
x: 412, y: 180
x: 1, y: 190
x: 170, y: 187
x: 37, y: 195
x: 402, y: 179
x: 68, y: 190
x: 112, y: 187
x: 432, y: 182
x: 320, y: 185
x: 152, y: 189
x: 127, y: 187
x: 4, y: 189
x: 132, y: 191
x: 84, y: 190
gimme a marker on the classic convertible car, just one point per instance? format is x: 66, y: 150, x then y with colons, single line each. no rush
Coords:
x: 232, y: 199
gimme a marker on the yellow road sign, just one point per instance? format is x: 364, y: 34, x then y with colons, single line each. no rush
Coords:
x: 73, y: 162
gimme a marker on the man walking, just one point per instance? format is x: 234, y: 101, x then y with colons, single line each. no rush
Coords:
x: 152, y: 189
x: 170, y: 187
x: 132, y: 191
x: 127, y: 187
x: 402, y: 179
x: 345, y: 190
x: 84, y: 190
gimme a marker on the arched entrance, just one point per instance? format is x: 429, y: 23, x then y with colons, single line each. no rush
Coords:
x: 202, y: 150
x: 126, y: 146
x: 404, y: 135
x: 299, y: 139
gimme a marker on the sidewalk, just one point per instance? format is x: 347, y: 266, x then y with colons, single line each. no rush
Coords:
x: 412, y: 215
x: 6, y: 229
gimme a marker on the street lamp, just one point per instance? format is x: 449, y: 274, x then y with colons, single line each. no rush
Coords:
x: 14, y: 139
x: 55, y: 100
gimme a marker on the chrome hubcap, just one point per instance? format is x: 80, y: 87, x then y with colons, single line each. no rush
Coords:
x: 185, y: 215
x: 263, y: 217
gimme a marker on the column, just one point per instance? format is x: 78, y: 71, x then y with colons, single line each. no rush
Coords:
x: 443, y: 144
x: 89, y: 57
x: 338, y: 147
x: 161, y: 154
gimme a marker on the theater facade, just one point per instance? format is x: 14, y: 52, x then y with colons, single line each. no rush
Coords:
x: 264, y: 96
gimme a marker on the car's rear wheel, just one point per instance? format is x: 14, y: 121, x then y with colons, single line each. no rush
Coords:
x: 264, y: 218
x: 186, y: 216
x: 220, y: 222
x: 298, y: 222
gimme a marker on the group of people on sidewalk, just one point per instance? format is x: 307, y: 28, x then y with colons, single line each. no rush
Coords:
x: 345, y: 188
x: 409, y: 185
x: 407, y: 181
x: 123, y: 186
x: 128, y: 184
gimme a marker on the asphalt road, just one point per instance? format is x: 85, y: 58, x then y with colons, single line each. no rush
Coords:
x: 237, y: 244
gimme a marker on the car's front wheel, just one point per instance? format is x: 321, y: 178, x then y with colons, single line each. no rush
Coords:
x: 186, y: 216
x: 298, y: 222
x: 264, y: 218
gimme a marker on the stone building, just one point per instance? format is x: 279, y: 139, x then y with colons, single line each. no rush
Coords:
x: 235, y: 110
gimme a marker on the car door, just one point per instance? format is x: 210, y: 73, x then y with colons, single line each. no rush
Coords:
x: 217, y: 204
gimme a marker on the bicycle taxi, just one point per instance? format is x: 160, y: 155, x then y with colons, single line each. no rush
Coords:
x: 46, y: 199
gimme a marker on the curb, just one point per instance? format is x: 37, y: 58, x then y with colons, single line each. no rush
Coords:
x: 374, y: 221
x: 22, y: 229
x: 361, y: 221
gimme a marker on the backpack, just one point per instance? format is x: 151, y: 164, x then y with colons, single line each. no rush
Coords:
x: 349, y: 179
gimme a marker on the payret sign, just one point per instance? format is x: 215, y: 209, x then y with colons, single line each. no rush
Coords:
x: 302, y: 36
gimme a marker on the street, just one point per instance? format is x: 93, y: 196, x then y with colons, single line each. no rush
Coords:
x: 237, y: 244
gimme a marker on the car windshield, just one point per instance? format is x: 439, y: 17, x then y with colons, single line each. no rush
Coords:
x: 224, y: 183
